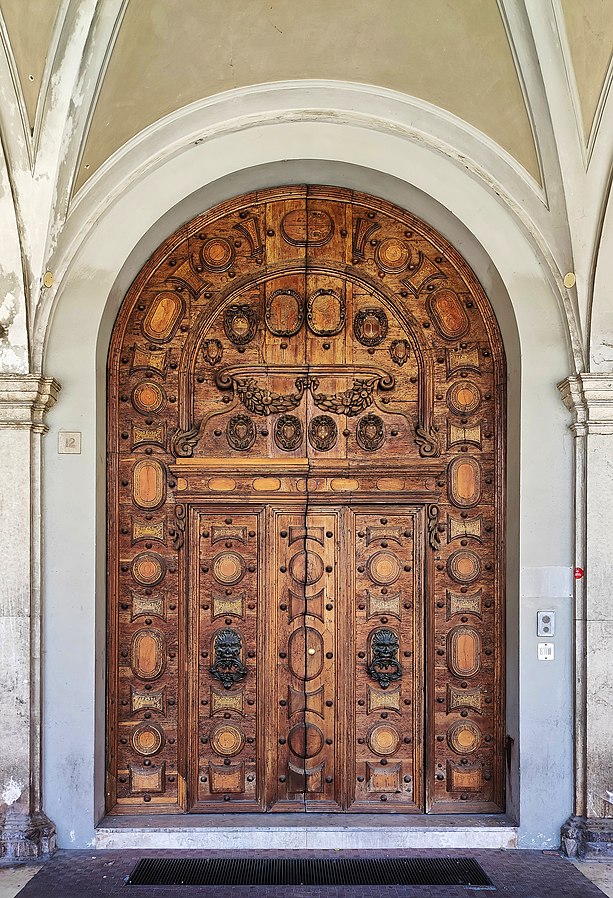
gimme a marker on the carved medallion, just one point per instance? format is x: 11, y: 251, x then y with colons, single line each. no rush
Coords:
x: 148, y: 568
x: 148, y: 397
x: 288, y: 432
x: 147, y: 739
x: 370, y: 433
x: 323, y: 432
x: 383, y: 568
x: 447, y: 314
x: 383, y: 739
x: 240, y: 324
x: 464, y: 737
x: 227, y: 740
x: 464, y: 566
x: 464, y: 651
x: 306, y: 568
x: 305, y: 740
x: 212, y: 351
x: 240, y: 432
x: 217, y: 254
x: 399, y: 351
x: 284, y: 313
x: 228, y: 568
x: 464, y: 397
x: 301, y: 227
x: 370, y: 326
x: 147, y: 657
x: 326, y: 312
x: 392, y: 255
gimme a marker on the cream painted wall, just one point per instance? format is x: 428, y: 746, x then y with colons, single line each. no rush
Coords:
x: 540, y: 474
x: 454, y: 55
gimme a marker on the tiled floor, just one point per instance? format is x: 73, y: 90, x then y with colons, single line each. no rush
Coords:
x: 102, y: 874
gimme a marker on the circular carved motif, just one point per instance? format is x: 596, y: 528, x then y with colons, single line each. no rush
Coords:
x: 148, y: 569
x: 288, y: 432
x: 392, y: 255
x: 148, y: 397
x: 217, y: 254
x: 241, y: 432
x: 383, y: 568
x: 323, y: 432
x: 370, y: 433
x: 240, y: 323
x: 370, y: 326
x: 464, y: 737
x: 306, y: 567
x: 464, y: 397
x: 147, y: 739
x: 383, y: 739
x: 464, y: 566
x: 305, y: 740
x: 227, y: 740
x: 228, y: 568
x: 300, y: 227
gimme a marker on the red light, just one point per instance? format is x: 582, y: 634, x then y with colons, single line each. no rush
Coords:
x: 579, y: 573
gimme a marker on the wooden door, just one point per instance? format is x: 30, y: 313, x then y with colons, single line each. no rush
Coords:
x: 306, y: 495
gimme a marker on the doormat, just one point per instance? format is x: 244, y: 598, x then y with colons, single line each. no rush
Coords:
x: 418, y: 871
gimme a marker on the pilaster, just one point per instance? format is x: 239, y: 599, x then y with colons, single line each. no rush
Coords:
x: 589, y: 397
x: 25, y: 831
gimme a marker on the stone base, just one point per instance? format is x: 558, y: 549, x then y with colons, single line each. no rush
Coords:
x: 24, y: 838
x: 587, y: 839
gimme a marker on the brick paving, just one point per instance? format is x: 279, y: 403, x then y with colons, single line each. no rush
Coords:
x: 515, y: 874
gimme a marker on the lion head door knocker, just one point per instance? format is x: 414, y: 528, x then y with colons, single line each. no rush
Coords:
x: 384, y: 666
x: 228, y: 667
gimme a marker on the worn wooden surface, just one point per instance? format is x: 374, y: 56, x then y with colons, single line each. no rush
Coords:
x: 306, y: 509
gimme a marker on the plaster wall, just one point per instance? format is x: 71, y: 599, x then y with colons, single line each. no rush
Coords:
x: 540, y: 449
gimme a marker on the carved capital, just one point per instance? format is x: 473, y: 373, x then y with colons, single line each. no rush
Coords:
x: 25, y: 400
x: 589, y: 397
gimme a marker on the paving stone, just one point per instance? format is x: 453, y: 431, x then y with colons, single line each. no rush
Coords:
x: 515, y: 874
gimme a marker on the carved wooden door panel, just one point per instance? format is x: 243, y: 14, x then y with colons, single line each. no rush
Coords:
x: 306, y: 497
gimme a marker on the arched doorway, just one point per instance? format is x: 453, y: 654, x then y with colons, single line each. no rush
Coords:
x: 306, y: 496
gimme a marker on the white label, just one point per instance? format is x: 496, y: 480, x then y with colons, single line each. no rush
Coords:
x: 69, y: 442
x: 545, y: 651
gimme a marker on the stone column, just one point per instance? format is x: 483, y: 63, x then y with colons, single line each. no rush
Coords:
x: 589, y: 832
x: 25, y: 831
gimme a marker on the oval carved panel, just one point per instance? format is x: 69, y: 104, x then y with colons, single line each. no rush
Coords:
x: 306, y: 653
x: 147, y: 654
x: 447, y: 314
x: 240, y: 432
x: 147, y: 739
x: 464, y: 651
x: 163, y: 317
x: 148, y: 487
x: 288, y: 432
x: 284, y: 313
x: 300, y: 227
x: 323, y: 432
x: 464, y: 482
x: 326, y: 312
x: 370, y: 433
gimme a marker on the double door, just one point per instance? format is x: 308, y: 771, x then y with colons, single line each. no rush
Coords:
x: 307, y: 675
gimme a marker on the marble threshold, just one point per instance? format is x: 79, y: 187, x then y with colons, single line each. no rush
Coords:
x: 332, y: 832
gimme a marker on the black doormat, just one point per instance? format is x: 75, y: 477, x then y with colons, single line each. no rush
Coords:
x: 418, y: 871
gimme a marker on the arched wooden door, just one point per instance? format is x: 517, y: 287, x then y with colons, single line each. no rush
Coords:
x: 306, y: 495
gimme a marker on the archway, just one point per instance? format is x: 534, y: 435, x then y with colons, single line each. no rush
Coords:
x: 306, y: 378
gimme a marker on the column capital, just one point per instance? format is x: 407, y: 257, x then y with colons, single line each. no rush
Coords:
x: 25, y: 400
x: 589, y: 397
